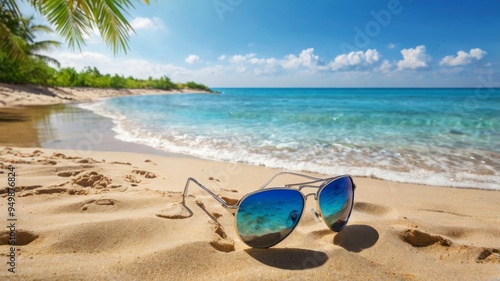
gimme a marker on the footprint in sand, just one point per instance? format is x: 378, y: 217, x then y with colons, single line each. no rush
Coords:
x: 47, y: 162
x: 51, y: 190
x: 230, y: 201
x: 489, y: 255
x: 221, y: 242
x: 18, y: 162
x: 93, y: 179
x: 146, y: 174
x: 121, y: 163
x: 106, y: 202
x: 216, y: 215
x: 131, y: 179
x: 67, y: 174
x: 56, y: 155
x: 418, y: 238
x: 99, y: 202
x: 59, y: 155
x: 23, y: 237
x: 36, y: 153
x: 87, y: 161
x: 175, y: 211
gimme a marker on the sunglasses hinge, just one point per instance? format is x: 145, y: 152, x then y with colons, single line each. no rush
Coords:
x: 230, y: 208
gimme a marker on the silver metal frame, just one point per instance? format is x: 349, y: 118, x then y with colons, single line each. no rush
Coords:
x: 313, y: 183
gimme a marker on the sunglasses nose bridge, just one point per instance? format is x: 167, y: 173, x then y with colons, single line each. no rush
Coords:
x: 311, y: 194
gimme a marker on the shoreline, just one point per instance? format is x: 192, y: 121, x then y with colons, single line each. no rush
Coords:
x: 65, y: 126
x: 121, y: 212
x: 31, y: 95
x: 98, y: 134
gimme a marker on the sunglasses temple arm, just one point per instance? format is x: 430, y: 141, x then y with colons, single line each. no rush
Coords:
x: 189, y: 180
x: 288, y: 173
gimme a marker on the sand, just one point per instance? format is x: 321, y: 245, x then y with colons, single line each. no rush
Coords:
x: 117, y: 216
x: 30, y: 95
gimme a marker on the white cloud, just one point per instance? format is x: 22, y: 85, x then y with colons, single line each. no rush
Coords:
x: 80, y: 60
x: 109, y: 65
x: 266, y: 66
x: 385, y: 67
x: 353, y: 59
x: 143, y: 69
x: 414, y: 58
x: 391, y: 45
x: 301, y: 68
x: 306, y: 61
x: 463, y: 58
x: 192, y: 59
x: 306, y: 58
x: 147, y: 23
x: 241, y: 58
x: 257, y: 61
x: 477, y: 53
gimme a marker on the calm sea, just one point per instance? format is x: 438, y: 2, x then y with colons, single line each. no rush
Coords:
x: 448, y: 137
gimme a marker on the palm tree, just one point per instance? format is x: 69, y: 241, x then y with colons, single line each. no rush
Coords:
x: 73, y: 19
x: 33, y: 48
x: 21, y: 38
x: 10, y: 41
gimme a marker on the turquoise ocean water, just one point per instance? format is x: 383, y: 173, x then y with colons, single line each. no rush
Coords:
x: 447, y: 137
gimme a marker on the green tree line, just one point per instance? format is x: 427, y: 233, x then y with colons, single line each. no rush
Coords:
x: 36, y: 71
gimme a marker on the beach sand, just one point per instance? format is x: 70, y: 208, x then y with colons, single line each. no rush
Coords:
x: 102, y: 215
x: 117, y: 216
x: 29, y: 95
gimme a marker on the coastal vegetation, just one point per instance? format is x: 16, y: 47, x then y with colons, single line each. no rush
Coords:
x: 22, y: 58
x: 36, y: 71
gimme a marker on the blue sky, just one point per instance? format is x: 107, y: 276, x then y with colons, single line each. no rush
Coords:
x: 316, y: 43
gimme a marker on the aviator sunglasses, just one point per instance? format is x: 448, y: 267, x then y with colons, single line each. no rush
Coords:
x: 265, y: 217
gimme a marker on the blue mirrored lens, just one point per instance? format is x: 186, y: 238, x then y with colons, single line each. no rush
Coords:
x: 267, y: 217
x: 335, y: 202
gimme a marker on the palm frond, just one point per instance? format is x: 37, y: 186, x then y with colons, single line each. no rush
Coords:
x: 47, y: 59
x: 71, y: 23
x: 41, y: 28
x: 75, y: 18
x: 11, y: 6
x: 113, y: 25
x: 12, y: 44
x: 43, y: 46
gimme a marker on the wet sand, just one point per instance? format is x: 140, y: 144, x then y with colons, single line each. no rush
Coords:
x: 64, y: 126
